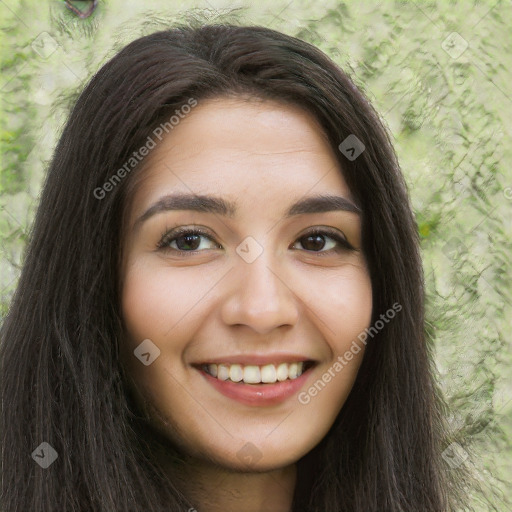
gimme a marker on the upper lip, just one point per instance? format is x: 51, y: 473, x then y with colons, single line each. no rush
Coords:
x: 257, y: 359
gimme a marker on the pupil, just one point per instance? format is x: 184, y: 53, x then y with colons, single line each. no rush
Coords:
x: 318, y: 242
x: 188, y: 242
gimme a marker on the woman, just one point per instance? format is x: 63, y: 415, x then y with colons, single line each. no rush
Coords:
x: 145, y: 370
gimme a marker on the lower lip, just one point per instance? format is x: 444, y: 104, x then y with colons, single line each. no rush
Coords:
x: 257, y: 394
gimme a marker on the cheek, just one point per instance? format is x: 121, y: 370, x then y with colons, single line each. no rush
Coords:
x: 158, y: 303
x: 344, y: 304
x: 145, y: 301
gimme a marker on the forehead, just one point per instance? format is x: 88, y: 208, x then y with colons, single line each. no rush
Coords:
x: 241, y: 148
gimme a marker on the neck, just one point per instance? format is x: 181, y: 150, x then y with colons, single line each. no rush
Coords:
x: 213, y: 488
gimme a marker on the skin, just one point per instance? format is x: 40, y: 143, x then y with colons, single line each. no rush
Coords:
x: 263, y: 155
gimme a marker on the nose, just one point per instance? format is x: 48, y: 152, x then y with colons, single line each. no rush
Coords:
x: 261, y: 297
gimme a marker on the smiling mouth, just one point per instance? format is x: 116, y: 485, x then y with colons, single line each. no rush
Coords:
x: 254, y: 374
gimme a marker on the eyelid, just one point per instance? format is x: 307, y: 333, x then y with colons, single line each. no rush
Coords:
x: 323, y: 230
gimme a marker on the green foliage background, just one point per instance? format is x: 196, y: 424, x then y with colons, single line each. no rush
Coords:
x: 449, y: 109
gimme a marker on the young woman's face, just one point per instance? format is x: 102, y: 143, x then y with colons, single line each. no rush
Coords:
x: 264, y: 287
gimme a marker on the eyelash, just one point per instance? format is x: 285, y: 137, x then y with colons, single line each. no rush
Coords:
x: 169, y: 236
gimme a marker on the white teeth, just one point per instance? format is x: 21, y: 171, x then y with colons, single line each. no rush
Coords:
x: 222, y: 372
x: 236, y: 373
x: 252, y: 374
x: 282, y: 372
x: 212, y: 369
x: 268, y: 373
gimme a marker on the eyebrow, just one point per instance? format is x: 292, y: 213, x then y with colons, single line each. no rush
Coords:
x: 219, y: 206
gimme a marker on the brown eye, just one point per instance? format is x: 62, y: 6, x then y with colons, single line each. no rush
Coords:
x: 313, y: 242
x: 186, y: 240
x: 318, y: 240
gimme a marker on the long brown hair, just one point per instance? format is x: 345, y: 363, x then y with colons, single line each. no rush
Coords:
x: 62, y: 381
